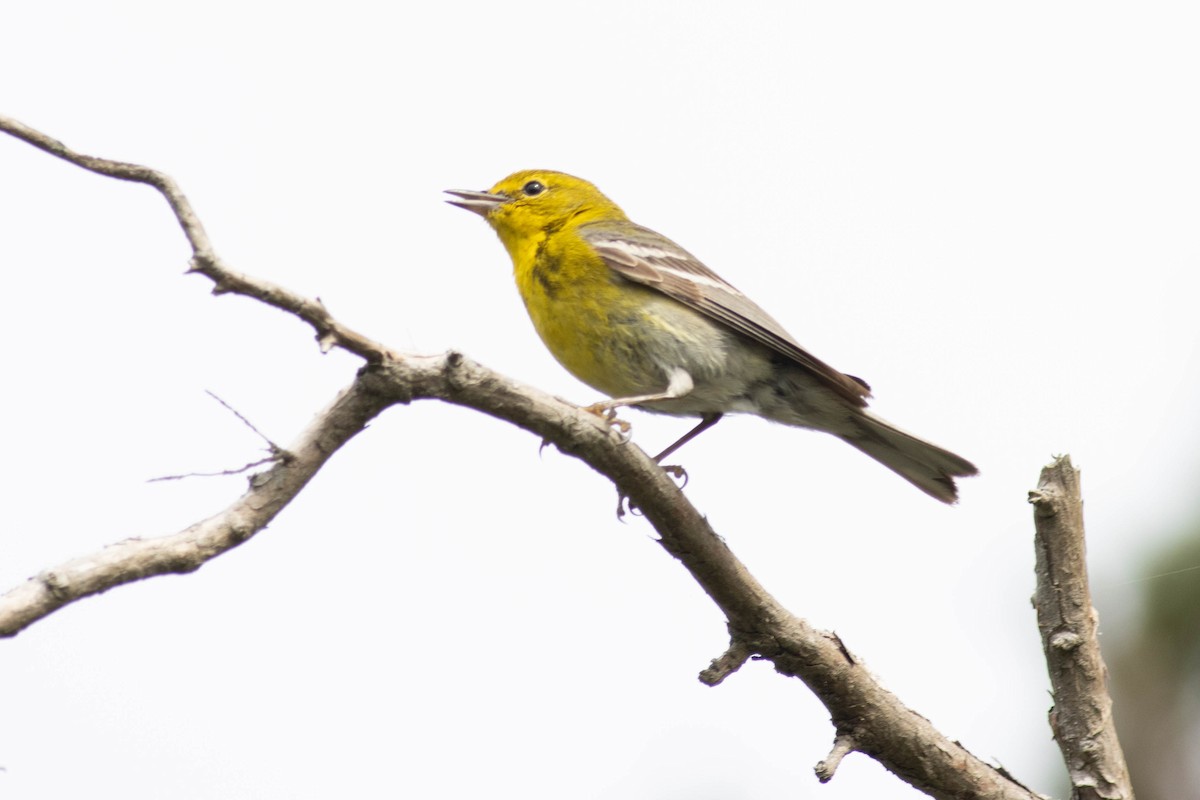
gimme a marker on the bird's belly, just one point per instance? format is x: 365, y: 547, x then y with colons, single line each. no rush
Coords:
x: 632, y: 350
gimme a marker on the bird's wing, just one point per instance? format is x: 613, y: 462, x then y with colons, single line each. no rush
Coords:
x: 643, y: 256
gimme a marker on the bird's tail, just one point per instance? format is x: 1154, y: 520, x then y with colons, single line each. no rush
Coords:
x: 926, y: 466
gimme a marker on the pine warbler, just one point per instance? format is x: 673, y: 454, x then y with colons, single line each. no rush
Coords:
x: 634, y: 315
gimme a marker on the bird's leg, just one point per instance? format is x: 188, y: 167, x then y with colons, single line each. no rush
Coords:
x: 679, y: 383
x: 676, y: 471
x: 706, y: 422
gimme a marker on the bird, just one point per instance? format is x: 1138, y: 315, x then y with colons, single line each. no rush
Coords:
x: 635, y: 316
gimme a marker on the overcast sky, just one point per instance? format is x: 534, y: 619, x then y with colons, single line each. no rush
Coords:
x: 989, y: 213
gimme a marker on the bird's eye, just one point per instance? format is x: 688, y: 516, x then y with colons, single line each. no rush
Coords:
x: 532, y: 188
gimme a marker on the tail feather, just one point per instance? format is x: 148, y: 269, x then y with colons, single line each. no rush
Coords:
x: 926, y: 466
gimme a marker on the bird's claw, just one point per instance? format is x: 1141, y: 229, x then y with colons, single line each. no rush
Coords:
x: 609, y: 415
x: 677, y: 472
x: 624, y: 502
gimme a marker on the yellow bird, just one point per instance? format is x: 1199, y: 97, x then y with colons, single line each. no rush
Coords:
x: 634, y: 315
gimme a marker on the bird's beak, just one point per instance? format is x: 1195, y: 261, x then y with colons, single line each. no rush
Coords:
x: 479, y: 202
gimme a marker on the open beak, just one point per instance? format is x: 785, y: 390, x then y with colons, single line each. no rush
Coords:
x: 479, y: 202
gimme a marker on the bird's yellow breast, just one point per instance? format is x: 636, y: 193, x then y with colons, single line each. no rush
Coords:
x: 602, y: 328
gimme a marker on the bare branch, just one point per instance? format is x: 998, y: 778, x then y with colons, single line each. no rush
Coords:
x: 134, y: 559
x: 882, y: 727
x: 1082, y: 715
x: 329, y: 332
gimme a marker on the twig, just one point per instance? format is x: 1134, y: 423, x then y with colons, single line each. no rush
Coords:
x: 274, y: 448
x: 220, y: 473
x: 276, y: 453
x: 729, y: 662
x: 1082, y: 715
x: 843, y: 745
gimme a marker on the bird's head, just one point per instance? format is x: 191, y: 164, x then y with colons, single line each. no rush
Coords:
x: 535, y: 202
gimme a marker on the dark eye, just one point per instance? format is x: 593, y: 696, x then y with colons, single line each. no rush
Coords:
x: 532, y: 188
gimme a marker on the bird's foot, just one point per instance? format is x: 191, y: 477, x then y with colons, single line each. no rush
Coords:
x: 626, y: 506
x: 677, y: 472
x: 609, y: 414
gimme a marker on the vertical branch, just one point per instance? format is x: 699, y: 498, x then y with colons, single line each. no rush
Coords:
x: 1082, y: 714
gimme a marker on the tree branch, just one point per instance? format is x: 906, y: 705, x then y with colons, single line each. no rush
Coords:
x: 134, y: 559
x: 330, y: 333
x: 1081, y: 718
x: 867, y: 717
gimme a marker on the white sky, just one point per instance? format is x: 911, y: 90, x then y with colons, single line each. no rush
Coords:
x: 988, y: 213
